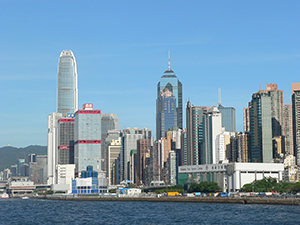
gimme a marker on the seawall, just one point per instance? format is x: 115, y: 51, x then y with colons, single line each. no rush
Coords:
x: 244, y: 200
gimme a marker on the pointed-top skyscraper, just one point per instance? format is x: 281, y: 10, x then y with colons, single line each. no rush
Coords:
x: 169, y: 80
x: 67, y: 87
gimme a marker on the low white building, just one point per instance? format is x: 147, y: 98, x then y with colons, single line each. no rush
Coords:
x: 128, y: 192
x: 230, y: 177
x: 65, y: 173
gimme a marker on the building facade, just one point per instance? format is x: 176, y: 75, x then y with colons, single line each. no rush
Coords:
x: 195, y: 132
x: 261, y: 128
x: 87, y: 137
x: 166, y: 113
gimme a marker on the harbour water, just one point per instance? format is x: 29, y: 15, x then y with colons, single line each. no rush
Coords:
x: 37, y: 211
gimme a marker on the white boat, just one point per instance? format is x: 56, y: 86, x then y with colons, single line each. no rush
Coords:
x: 25, y: 197
x: 5, y: 196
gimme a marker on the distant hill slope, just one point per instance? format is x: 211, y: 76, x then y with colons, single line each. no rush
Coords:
x: 10, y: 155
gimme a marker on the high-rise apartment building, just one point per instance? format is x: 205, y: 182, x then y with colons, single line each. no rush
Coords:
x: 169, y: 80
x: 223, y: 145
x: 128, y: 143
x: 166, y: 115
x: 109, y: 121
x: 67, y: 87
x: 261, y: 128
x: 87, y: 137
x: 288, y: 130
x: 277, y: 108
x: 247, y: 118
x: 239, y: 147
x: 296, y: 120
x: 113, y: 153
x: 212, y: 127
x: 195, y: 132
x: 143, y: 157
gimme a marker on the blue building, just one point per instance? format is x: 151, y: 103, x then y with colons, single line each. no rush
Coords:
x: 228, y: 118
x: 87, y: 184
x: 169, y: 80
x: 166, y: 114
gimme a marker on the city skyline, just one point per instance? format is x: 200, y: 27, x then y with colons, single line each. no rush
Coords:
x: 233, y: 46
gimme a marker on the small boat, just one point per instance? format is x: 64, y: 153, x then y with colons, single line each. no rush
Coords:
x: 5, y: 196
x: 25, y: 197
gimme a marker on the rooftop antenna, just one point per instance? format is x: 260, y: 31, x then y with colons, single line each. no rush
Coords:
x: 169, y: 63
x: 219, y: 102
x: 259, y: 85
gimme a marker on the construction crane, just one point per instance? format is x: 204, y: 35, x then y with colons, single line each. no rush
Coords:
x: 163, y: 177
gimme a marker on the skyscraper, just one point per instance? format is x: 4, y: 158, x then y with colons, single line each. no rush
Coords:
x: 296, y: 120
x: 213, y: 127
x: 109, y: 121
x: 277, y: 108
x: 261, y: 128
x: 87, y: 137
x: 166, y: 115
x: 195, y: 132
x: 169, y: 80
x: 67, y: 90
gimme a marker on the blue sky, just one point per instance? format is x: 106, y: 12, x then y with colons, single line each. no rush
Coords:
x: 121, y: 48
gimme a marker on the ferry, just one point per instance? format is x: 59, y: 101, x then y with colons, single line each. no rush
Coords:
x: 5, y: 196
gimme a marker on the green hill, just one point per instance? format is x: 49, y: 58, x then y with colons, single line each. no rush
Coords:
x: 10, y: 155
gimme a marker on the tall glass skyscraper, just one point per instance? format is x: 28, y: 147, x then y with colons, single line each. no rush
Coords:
x: 170, y: 81
x: 67, y: 87
x: 166, y: 115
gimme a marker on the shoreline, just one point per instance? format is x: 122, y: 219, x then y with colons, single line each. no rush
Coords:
x: 221, y: 200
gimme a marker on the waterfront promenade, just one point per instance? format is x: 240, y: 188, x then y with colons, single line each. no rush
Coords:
x: 235, y: 200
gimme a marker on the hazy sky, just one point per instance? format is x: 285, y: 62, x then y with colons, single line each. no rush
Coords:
x: 121, y: 49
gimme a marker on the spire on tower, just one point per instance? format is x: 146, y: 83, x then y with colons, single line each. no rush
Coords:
x: 169, y: 63
x: 219, y: 102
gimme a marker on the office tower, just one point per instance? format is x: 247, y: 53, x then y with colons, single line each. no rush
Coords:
x: 113, y: 152
x: 20, y: 162
x: 24, y: 170
x: 277, y: 108
x: 143, y: 157
x: 38, y: 169
x: 228, y: 118
x: 109, y: 121
x: 31, y: 158
x: 239, y: 147
x: 247, y: 118
x: 212, y: 127
x: 66, y: 141
x: 223, y: 145
x: 166, y: 115
x: 261, y: 128
x: 195, y: 132
x: 87, y: 133
x: 169, y: 80
x: 52, y: 145
x: 129, y: 142
x: 288, y: 130
x: 14, y: 170
x: 111, y: 135
x: 296, y: 120
x: 67, y: 90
